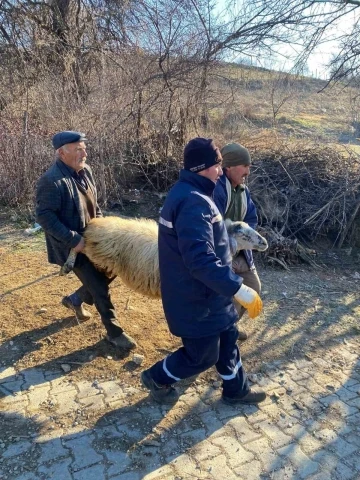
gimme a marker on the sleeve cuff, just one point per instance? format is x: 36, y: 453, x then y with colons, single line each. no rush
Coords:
x: 75, y: 240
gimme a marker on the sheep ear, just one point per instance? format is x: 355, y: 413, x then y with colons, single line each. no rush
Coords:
x: 228, y: 222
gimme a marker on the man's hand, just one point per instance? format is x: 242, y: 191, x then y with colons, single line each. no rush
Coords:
x: 80, y: 246
x: 249, y: 299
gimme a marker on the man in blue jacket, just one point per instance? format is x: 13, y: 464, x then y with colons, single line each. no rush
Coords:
x: 66, y: 200
x: 233, y: 200
x: 198, y: 285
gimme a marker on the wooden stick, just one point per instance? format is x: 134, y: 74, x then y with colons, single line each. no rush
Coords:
x: 349, y: 224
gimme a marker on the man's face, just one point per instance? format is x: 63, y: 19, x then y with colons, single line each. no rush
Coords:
x: 74, y: 155
x: 212, y: 173
x: 238, y: 174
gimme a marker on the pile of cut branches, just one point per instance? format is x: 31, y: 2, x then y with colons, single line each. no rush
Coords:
x: 303, y: 193
x: 285, y: 251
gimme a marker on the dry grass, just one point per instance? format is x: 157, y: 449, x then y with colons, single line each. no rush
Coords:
x: 137, y: 142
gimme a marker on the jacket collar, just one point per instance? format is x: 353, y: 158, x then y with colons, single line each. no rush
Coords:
x: 202, y: 183
x: 64, y: 168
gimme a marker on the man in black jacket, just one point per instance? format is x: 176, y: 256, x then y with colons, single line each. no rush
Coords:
x: 66, y: 200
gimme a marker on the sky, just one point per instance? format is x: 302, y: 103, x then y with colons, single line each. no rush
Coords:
x: 318, y: 59
x: 323, y: 54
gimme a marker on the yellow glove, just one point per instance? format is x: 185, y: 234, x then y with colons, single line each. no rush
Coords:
x: 249, y: 299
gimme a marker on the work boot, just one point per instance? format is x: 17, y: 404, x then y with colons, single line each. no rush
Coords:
x: 123, y: 341
x: 242, y: 335
x: 79, y: 310
x: 254, y: 396
x: 166, y: 394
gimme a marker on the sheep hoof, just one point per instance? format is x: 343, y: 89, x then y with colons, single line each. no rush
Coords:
x: 124, y: 341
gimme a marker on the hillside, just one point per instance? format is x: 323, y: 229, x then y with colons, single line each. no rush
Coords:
x: 137, y: 130
x: 296, y: 106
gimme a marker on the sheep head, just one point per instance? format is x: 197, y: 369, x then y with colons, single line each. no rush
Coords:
x: 246, y: 238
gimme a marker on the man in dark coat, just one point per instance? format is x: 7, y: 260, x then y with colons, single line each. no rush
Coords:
x: 66, y: 200
x: 198, y: 285
x: 233, y: 200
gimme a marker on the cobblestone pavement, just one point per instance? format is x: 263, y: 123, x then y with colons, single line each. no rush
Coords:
x: 308, y: 428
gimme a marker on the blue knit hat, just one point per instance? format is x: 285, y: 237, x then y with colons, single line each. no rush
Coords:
x: 201, y: 153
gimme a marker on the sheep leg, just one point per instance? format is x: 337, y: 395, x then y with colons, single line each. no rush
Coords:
x: 69, y: 264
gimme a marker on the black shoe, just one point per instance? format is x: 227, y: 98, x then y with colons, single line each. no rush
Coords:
x: 80, y: 312
x: 160, y: 393
x: 242, y: 335
x: 254, y: 396
x: 122, y: 341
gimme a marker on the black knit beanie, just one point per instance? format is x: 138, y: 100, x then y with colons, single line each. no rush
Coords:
x: 201, y: 153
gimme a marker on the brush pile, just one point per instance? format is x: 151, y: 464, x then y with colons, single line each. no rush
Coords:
x: 304, y: 193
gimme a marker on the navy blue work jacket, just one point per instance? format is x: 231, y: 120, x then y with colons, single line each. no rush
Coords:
x: 197, y: 283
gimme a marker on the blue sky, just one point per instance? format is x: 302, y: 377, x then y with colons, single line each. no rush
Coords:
x: 321, y: 55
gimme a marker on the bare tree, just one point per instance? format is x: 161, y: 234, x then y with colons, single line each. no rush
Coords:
x: 144, y: 72
x: 281, y: 90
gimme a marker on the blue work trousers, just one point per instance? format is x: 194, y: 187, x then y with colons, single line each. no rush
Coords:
x: 198, y: 354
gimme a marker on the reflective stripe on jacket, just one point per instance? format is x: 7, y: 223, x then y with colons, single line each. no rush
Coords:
x: 197, y: 283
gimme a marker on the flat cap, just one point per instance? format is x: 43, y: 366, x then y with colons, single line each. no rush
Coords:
x: 62, y: 138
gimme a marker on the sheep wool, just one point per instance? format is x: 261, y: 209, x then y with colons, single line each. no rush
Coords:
x: 128, y: 248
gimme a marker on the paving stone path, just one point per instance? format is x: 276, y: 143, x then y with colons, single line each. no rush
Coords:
x: 308, y: 428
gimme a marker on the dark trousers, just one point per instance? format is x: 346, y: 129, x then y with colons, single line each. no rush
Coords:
x: 198, y: 354
x: 95, y: 290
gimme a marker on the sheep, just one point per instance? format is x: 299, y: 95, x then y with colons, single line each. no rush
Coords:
x: 128, y: 248
x: 243, y: 237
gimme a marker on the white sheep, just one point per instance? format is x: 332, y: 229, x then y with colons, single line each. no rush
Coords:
x: 128, y: 248
x: 243, y: 237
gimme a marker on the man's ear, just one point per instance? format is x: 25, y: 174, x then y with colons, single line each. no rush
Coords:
x: 61, y: 152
